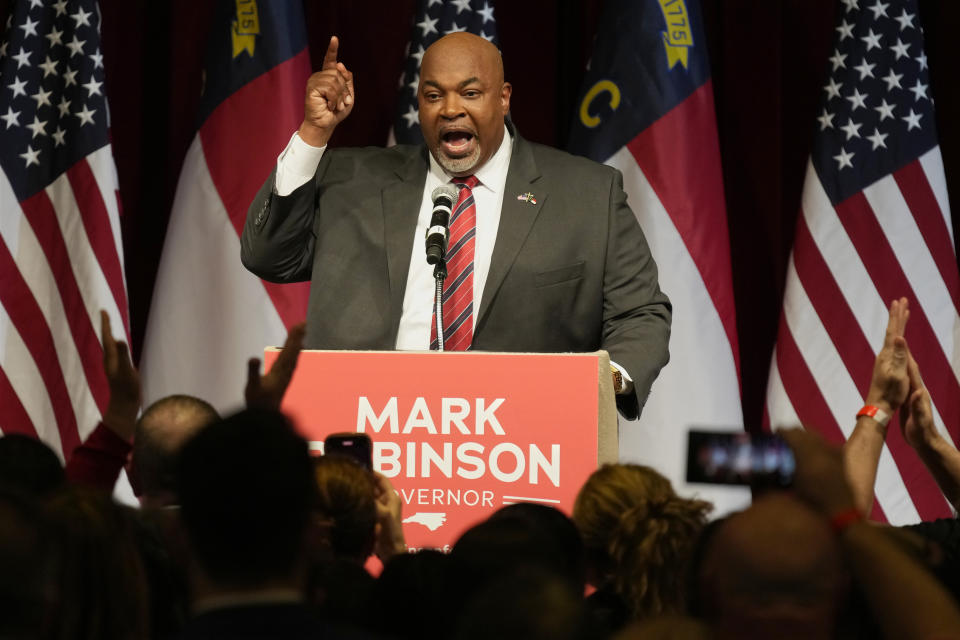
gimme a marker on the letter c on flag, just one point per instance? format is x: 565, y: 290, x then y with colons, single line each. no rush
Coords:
x: 591, y: 121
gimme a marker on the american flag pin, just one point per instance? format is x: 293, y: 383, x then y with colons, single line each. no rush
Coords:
x: 527, y: 197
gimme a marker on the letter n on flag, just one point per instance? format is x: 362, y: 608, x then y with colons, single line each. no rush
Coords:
x: 61, y: 259
x: 209, y: 314
x: 874, y: 225
x: 646, y: 108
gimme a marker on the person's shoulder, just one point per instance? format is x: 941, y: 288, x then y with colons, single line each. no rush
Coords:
x: 550, y: 158
x: 565, y: 172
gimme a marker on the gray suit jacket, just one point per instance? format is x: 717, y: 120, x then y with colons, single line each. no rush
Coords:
x: 572, y: 273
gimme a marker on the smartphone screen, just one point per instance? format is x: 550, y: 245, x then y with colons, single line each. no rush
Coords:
x: 717, y: 457
x: 356, y: 446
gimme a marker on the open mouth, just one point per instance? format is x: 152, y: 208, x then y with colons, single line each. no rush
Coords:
x: 457, y: 143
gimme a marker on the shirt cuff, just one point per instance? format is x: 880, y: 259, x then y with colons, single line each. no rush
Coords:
x: 627, y: 380
x: 296, y: 165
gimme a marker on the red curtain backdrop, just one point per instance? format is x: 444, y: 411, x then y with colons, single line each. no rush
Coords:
x: 769, y: 61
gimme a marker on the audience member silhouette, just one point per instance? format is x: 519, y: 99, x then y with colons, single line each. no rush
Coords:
x: 29, y: 465
x: 160, y: 433
x: 247, y: 491
x: 638, y: 535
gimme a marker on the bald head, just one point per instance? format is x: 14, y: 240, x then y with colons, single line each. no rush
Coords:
x: 160, y: 434
x: 774, y: 567
x: 463, y: 101
x: 463, y: 45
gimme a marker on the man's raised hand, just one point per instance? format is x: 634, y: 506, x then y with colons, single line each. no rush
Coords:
x: 329, y: 98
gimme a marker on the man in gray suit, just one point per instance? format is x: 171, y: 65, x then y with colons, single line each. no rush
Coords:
x: 559, y: 263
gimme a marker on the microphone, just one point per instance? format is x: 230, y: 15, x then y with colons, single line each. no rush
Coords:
x: 444, y: 197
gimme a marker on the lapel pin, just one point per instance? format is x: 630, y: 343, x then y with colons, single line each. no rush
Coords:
x: 527, y: 197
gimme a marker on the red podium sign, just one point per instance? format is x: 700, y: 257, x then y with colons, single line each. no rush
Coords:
x: 461, y: 434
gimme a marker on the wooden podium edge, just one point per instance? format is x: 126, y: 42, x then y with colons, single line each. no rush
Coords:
x: 608, y: 436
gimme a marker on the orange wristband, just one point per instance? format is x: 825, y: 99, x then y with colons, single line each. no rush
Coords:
x: 876, y: 413
x: 840, y: 521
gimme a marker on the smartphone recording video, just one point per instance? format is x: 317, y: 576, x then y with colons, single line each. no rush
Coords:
x: 715, y: 457
x: 356, y: 446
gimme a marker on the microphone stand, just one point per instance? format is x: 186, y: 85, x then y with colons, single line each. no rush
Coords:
x: 438, y: 233
x: 439, y: 274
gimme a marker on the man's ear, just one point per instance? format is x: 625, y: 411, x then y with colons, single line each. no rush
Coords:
x: 505, y: 92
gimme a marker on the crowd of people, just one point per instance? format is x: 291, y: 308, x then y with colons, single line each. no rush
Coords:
x: 242, y: 533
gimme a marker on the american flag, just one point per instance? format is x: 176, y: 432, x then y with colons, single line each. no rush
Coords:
x: 435, y: 19
x: 60, y: 252
x: 875, y: 225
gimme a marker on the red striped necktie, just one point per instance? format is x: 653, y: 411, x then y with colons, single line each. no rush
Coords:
x: 458, y: 287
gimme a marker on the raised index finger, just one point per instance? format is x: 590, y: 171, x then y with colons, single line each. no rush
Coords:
x: 330, y: 57
x: 106, y: 332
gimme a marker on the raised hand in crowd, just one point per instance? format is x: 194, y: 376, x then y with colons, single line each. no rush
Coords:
x: 896, y: 384
x: 97, y: 462
x: 889, y: 388
x: 390, y: 540
x: 266, y: 391
x: 917, y: 417
x: 906, y: 600
x: 123, y: 380
x: 919, y: 430
x: 890, y: 383
x: 820, y: 478
x: 329, y: 98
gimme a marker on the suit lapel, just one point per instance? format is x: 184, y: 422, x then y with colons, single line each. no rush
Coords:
x: 401, y: 207
x: 516, y: 219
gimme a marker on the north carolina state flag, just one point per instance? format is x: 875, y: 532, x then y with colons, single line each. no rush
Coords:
x: 646, y: 108
x: 209, y: 314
